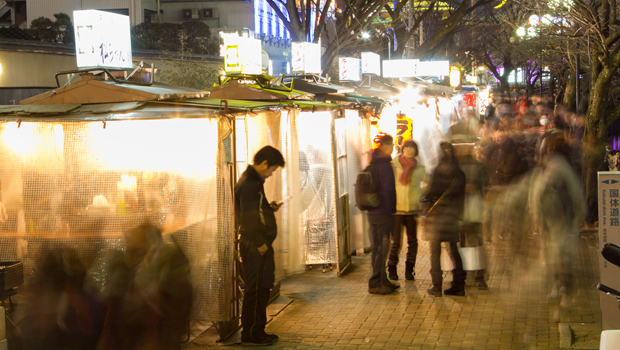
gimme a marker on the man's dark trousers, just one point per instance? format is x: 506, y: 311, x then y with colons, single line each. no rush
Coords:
x: 255, y: 296
x: 381, y: 226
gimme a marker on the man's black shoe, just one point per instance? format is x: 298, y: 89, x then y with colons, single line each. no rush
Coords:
x: 436, y: 292
x: 381, y: 290
x: 454, y: 290
x: 392, y: 272
x: 393, y: 285
x: 272, y: 337
x: 258, y: 341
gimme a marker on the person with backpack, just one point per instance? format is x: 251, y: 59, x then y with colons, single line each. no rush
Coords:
x: 380, y: 218
x: 409, y: 174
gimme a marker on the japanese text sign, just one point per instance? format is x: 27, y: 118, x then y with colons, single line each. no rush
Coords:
x: 102, y: 39
x: 371, y: 63
x: 350, y: 68
x: 306, y: 58
x: 242, y: 55
x: 609, y: 232
x: 403, y: 129
x: 399, y: 68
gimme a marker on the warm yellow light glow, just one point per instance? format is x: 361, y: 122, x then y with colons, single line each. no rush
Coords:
x: 20, y: 137
x: 0, y: 68
x: 184, y: 146
x: 455, y: 77
x: 408, y: 97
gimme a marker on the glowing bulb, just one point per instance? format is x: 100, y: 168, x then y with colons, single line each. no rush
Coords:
x: 365, y: 35
x: 521, y: 31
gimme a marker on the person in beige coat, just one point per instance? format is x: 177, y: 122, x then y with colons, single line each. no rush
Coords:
x: 409, y: 175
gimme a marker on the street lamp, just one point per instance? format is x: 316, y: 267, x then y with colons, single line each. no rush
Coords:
x: 387, y: 32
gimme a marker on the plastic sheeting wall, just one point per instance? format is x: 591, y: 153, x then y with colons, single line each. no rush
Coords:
x: 306, y: 224
x: 316, y: 168
x: 78, y: 185
x: 359, y: 145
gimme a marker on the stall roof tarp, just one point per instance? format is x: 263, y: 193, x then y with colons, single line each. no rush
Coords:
x: 108, y: 112
x: 234, y: 90
x: 89, y: 90
x: 243, y: 105
x: 38, y: 109
x: 319, y: 88
x: 361, y: 100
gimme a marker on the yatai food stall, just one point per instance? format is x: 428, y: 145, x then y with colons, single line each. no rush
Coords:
x: 313, y: 137
x: 85, y: 162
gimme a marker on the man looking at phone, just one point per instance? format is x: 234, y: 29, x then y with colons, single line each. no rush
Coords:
x: 257, y: 229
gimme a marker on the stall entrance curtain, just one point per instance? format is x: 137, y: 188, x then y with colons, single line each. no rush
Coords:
x: 318, y: 188
x: 307, y: 223
x: 79, y: 185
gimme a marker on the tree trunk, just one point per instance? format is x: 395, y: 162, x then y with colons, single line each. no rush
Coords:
x: 595, y: 138
x: 570, y: 94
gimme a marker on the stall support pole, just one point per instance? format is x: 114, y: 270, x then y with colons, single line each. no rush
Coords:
x: 226, y: 329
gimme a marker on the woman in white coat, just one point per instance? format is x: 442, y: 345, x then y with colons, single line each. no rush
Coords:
x: 409, y: 174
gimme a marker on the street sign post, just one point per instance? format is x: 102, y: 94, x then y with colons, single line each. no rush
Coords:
x: 609, y: 232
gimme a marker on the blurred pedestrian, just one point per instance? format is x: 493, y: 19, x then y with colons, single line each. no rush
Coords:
x: 444, y: 200
x: 257, y: 229
x: 470, y: 228
x: 558, y: 207
x: 409, y: 175
x: 381, y: 219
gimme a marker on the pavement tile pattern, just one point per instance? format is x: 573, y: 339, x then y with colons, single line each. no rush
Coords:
x: 515, y: 313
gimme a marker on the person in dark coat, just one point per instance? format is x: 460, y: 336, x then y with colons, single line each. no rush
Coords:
x: 257, y: 229
x: 445, y: 200
x: 381, y: 219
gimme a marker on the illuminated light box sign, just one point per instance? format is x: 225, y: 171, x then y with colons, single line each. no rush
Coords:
x: 102, y: 39
x: 242, y: 55
x: 306, y: 58
x: 371, y: 63
x: 433, y: 68
x: 350, y: 68
x: 399, y: 68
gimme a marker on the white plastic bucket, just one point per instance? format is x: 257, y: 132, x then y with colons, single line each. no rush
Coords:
x: 610, y: 339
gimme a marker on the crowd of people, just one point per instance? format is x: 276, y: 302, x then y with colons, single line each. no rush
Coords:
x: 510, y: 173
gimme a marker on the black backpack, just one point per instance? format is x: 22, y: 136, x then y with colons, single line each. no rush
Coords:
x: 366, y: 196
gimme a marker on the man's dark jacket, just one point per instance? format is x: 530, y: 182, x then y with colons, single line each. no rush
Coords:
x: 383, y: 175
x: 255, y: 219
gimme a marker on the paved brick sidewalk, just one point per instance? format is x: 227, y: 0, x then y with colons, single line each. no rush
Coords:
x: 337, y: 312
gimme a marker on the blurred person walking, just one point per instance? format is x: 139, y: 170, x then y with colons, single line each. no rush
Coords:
x: 445, y: 199
x: 558, y: 208
x: 257, y: 229
x: 409, y: 174
x: 477, y: 181
x: 381, y: 219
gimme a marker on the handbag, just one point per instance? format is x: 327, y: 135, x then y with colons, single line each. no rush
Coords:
x: 425, y: 222
x: 472, y: 258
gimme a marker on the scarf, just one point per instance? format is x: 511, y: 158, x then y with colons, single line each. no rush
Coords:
x: 408, y: 166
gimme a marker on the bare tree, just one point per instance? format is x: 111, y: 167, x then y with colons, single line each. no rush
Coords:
x: 339, y: 26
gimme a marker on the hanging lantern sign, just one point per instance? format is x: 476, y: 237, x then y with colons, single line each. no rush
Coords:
x: 242, y: 55
x: 455, y: 77
x: 350, y: 68
x: 400, y: 68
x: 102, y: 39
x: 306, y: 58
x: 371, y: 63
